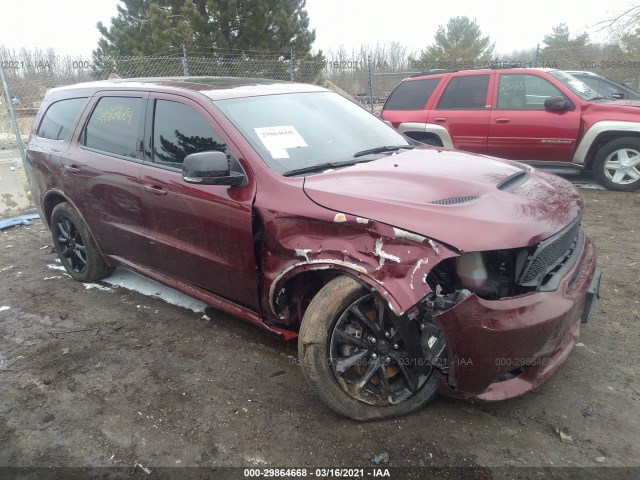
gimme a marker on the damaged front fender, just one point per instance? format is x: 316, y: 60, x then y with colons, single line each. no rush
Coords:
x: 300, y: 251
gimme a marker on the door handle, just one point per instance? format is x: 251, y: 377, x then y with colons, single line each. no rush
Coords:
x: 155, y: 189
x: 503, y: 120
x: 71, y: 169
x: 440, y: 119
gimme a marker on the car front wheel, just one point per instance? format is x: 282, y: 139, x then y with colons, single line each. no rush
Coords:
x: 76, y: 249
x: 617, y: 164
x: 354, y: 358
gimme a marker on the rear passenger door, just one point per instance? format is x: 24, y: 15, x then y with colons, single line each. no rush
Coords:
x: 101, y: 170
x: 464, y: 109
x: 201, y: 234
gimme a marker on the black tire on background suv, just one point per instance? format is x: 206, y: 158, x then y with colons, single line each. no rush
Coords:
x: 617, y: 164
x: 76, y: 249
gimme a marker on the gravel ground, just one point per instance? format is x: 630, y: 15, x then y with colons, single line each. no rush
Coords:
x: 105, y: 376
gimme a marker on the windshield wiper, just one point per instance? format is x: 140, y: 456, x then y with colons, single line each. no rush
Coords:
x: 599, y: 98
x: 383, y: 149
x: 321, y: 166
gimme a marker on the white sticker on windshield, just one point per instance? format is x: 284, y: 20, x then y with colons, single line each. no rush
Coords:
x: 279, y: 153
x: 278, y: 139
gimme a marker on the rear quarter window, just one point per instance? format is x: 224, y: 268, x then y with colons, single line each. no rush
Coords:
x: 412, y: 94
x: 60, y: 118
x: 114, y: 126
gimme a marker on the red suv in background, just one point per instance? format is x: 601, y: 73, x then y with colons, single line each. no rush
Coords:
x: 538, y: 116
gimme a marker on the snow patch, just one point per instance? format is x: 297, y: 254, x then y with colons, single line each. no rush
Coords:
x: 132, y: 281
x: 56, y: 267
x: 89, y: 286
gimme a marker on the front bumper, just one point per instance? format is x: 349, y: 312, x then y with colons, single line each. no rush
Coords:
x: 503, y: 348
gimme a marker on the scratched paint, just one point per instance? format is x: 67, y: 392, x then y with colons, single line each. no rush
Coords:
x: 382, y: 255
x: 399, y: 233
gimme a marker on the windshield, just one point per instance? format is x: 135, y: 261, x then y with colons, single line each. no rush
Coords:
x: 576, y: 86
x: 297, y: 131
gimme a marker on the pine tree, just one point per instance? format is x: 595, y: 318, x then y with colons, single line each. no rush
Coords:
x: 163, y: 27
x: 461, y: 44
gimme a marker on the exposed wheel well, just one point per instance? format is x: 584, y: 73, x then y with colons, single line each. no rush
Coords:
x: 603, y: 139
x: 294, y: 296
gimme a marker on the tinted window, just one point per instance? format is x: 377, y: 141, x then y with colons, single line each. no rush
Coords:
x: 467, y: 92
x: 113, y: 126
x: 411, y: 95
x: 524, y: 92
x: 179, y: 130
x: 60, y: 118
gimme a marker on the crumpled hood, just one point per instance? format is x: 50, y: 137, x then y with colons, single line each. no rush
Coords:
x: 399, y: 190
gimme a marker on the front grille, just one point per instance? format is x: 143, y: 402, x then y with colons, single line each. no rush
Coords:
x: 549, y: 254
x: 455, y: 200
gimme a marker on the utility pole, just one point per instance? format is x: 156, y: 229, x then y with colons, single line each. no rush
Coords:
x: 185, y: 64
x: 16, y: 130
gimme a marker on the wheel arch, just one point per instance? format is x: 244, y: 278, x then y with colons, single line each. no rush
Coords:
x: 430, y: 130
x: 51, y: 200
x: 305, y: 279
x: 599, y: 135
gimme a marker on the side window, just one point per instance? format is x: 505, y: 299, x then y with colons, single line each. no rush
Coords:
x: 465, y: 92
x: 524, y: 92
x: 593, y: 83
x: 60, y: 118
x: 412, y: 94
x: 179, y: 130
x: 605, y: 89
x: 114, y: 126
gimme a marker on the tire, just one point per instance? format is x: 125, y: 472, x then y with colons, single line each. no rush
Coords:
x: 75, y: 246
x: 336, y: 361
x: 617, y: 164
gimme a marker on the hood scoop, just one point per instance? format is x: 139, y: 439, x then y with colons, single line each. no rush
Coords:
x: 513, y: 181
x: 521, y: 166
x: 455, y: 200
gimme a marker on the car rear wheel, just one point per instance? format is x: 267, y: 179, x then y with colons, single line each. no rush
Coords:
x: 617, y: 164
x: 76, y: 249
x: 353, y: 356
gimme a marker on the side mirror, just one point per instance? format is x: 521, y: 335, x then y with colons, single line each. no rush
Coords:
x: 210, y: 168
x: 556, y: 104
x: 617, y: 95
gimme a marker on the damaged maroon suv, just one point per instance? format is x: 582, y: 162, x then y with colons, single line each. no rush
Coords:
x: 403, y: 270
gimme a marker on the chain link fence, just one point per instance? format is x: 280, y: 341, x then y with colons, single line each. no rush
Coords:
x: 367, y: 78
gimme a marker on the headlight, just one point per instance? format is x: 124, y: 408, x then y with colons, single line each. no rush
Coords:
x: 472, y: 271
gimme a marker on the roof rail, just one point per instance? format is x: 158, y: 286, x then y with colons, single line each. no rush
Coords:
x: 433, y: 71
x: 497, y: 65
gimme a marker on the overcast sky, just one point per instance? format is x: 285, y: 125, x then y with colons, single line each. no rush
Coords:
x: 69, y: 25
